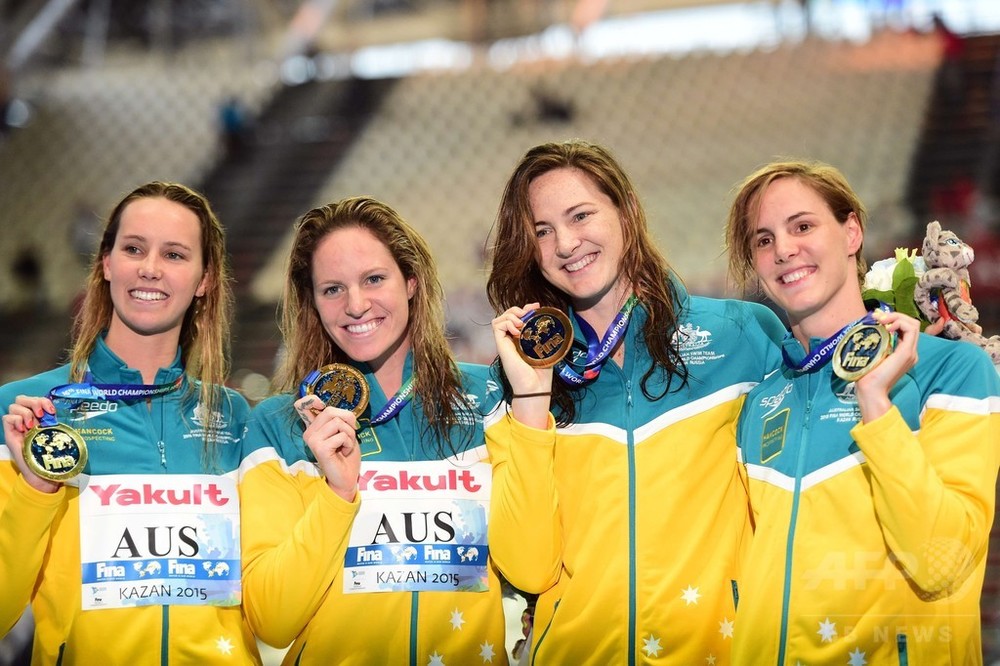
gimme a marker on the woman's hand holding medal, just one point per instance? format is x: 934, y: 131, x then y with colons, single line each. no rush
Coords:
x: 872, y: 389
x: 330, y: 401
x: 20, y: 418
x: 330, y: 435
x: 530, y: 375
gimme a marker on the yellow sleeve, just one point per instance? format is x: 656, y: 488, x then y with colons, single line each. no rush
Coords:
x: 26, y: 519
x: 934, y: 491
x: 525, y: 533
x: 295, y: 533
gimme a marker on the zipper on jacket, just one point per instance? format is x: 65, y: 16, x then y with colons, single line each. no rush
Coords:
x: 631, y: 521
x: 165, y: 636
x: 59, y: 659
x: 159, y: 440
x: 538, y: 643
x: 414, y: 609
x: 150, y: 408
x: 904, y: 657
x: 799, y: 466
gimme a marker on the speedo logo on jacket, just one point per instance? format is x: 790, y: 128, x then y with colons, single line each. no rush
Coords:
x: 88, y: 409
x: 774, y: 401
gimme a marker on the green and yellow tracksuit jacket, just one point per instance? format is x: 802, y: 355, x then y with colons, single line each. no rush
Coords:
x: 870, y: 538
x: 296, y: 542
x: 40, y: 533
x: 629, y: 522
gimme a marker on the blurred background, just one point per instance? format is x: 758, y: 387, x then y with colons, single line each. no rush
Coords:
x: 271, y: 107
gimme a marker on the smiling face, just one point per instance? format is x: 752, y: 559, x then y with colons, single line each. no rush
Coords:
x: 579, y: 235
x: 362, y: 297
x: 806, y: 259
x: 155, y: 269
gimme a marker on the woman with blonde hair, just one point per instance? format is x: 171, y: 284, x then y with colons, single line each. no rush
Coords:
x: 871, y: 466
x: 142, y: 530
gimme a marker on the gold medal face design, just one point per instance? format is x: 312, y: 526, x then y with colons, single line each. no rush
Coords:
x: 339, y: 385
x: 55, y: 452
x: 860, y: 350
x: 546, y: 337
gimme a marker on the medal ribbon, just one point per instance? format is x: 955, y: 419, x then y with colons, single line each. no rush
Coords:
x: 396, y: 403
x: 597, y: 350
x: 821, y: 356
x: 74, y: 393
x: 304, y: 384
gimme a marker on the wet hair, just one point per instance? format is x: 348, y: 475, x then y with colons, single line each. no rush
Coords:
x: 516, y: 278
x: 308, y: 346
x: 204, y: 336
x: 741, y: 226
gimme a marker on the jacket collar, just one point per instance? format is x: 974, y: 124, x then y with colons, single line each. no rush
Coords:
x: 107, y: 368
x: 373, y: 386
x: 681, y: 301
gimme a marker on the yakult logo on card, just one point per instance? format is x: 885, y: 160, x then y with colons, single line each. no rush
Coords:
x: 198, y: 494
x: 403, y: 480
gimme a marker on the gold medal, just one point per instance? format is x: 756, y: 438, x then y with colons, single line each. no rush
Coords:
x: 546, y: 337
x: 339, y: 385
x: 55, y: 452
x: 860, y: 350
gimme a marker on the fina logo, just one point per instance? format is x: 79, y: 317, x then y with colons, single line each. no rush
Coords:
x: 147, y: 569
x: 405, y: 553
x: 357, y: 578
x: 215, y: 420
x: 215, y: 568
x: 688, y: 337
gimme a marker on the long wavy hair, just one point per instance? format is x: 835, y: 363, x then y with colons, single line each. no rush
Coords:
x: 437, y: 380
x: 204, y: 336
x: 741, y: 226
x: 515, y: 275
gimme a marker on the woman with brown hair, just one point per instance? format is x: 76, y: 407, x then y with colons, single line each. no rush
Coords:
x: 623, y: 507
x: 365, y: 504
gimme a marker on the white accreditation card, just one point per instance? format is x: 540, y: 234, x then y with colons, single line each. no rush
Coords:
x: 421, y: 527
x: 171, y: 539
